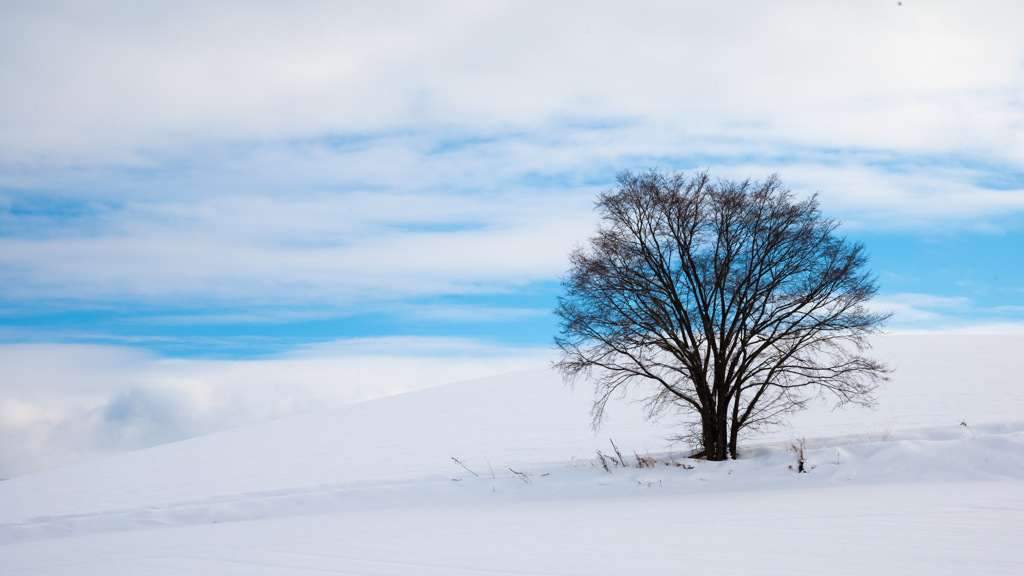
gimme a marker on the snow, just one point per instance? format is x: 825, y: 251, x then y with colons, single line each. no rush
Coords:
x: 372, y: 488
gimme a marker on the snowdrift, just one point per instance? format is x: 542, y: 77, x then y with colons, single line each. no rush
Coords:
x: 375, y: 488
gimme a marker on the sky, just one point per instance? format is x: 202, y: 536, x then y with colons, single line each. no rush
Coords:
x: 215, y: 213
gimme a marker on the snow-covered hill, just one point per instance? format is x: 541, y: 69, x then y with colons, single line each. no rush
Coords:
x: 372, y: 488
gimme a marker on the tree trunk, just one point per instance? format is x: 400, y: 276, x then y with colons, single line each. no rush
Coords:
x: 721, y: 417
x: 709, y: 433
x: 715, y: 434
x: 734, y: 430
x: 721, y: 442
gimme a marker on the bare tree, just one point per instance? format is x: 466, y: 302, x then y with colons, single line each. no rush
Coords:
x: 733, y: 302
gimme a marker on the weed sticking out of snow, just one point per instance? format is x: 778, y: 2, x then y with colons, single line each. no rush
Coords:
x: 837, y: 462
x: 799, y: 447
x: 622, y: 460
x: 461, y: 463
x: 522, y: 476
x: 873, y: 434
x: 575, y: 462
x: 645, y: 461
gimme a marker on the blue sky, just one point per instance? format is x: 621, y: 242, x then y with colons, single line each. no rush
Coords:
x: 266, y: 188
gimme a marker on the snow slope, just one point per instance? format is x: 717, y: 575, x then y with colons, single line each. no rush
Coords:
x: 371, y: 488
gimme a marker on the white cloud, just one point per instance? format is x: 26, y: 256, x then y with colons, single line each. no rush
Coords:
x: 249, y: 151
x: 342, y: 248
x: 928, y: 313
x: 964, y: 328
x: 410, y: 238
x: 61, y: 404
x: 113, y: 81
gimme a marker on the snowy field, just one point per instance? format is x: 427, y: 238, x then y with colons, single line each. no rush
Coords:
x: 372, y: 488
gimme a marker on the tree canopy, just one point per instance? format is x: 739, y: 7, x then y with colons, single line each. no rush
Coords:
x: 731, y: 303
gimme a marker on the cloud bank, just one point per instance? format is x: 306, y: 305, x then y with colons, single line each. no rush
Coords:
x: 338, y: 155
x: 61, y: 404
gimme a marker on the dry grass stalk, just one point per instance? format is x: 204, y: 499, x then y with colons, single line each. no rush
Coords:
x: 459, y: 462
x: 646, y: 461
x: 798, y: 447
x: 963, y: 423
x: 521, y: 475
x: 617, y: 453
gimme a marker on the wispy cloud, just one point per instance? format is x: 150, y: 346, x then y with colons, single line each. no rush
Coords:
x: 873, y: 75
x: 341, y: 156
x: 927, y: 313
